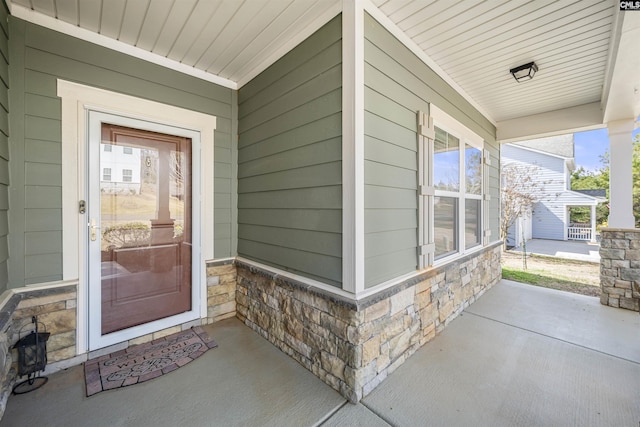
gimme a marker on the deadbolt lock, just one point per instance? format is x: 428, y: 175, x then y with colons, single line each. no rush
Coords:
x: 82, y: 206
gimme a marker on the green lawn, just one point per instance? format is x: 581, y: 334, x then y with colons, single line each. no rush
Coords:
x: 549, y: 281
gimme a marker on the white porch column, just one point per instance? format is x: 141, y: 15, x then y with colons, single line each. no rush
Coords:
x: 620, y: 175
x: 593, y: 223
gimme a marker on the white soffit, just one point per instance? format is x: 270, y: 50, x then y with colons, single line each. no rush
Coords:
x: 472, y: 44
x: 225, y: 42
x: 476, y: 42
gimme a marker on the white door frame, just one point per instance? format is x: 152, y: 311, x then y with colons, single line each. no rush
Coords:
x: 77, y: 100
x: 93, y: 172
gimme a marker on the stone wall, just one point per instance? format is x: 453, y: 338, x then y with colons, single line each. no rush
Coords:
x: 7, y: 370
x: 56, y: 310
x: 353, y: 346
x: 221, y: 290
x: 620, y: 268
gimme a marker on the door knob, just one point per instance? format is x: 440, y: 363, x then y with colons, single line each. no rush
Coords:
x: 93, y: 229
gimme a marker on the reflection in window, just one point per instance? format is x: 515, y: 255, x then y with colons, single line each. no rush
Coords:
x: 127, y: 150
x: 127, y: 175
x: 457, y: 179
x: 106, y: 174
x: 446, y: 161
x: 107, y: 148
x: 472, y: 222
x: 445, y: 225
x: 473, y: 170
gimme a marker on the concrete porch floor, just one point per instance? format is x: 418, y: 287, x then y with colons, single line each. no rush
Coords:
x: 519, y: 356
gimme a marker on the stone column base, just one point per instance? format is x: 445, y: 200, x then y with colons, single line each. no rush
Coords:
x: 620, y: 268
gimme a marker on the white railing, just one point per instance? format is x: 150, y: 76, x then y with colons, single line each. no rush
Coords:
x: 579, y: 232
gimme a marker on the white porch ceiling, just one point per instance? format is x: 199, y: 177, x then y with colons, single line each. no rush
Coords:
x: 586, y: 50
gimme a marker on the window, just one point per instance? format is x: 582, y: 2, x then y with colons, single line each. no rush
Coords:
x: 127, y: 175
x: 446, y: 180
x: 106, y: 174
x: 473, y: 196
x: 455, y: 177
x: 445, y: 212
x: 127, y: 150
x: 107, y: 148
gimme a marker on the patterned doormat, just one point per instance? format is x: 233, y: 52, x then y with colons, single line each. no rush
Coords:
x: 145, y: 361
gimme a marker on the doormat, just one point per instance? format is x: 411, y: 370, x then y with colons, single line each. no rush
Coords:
x: 144, y: 362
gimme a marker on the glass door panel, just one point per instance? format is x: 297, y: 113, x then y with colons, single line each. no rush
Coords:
x: 144, y: 229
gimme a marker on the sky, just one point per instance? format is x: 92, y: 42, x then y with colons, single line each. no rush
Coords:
x: 589, y: 146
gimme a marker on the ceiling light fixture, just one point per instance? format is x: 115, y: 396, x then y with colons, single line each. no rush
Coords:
x: 524, y: 72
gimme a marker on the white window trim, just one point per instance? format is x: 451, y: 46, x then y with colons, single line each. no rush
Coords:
x: 77, y: 100
x: 467, y: 137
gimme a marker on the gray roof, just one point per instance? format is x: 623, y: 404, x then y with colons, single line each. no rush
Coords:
x: 593, y: 193
x: 560, y: 145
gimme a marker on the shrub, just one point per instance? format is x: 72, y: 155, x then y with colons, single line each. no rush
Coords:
x: 128, y: 235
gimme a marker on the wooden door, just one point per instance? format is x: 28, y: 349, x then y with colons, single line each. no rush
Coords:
x: 144, y: 228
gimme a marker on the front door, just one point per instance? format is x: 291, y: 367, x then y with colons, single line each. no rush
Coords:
x: 140, y: 229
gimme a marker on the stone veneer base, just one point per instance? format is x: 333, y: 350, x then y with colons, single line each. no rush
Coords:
x: 353, y: 346
x: 620, y: 268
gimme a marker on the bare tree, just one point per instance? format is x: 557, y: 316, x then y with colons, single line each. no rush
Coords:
x: 519, y: 191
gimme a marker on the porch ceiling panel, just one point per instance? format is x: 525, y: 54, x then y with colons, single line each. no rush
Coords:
x: 477, y: 42
x: 584, y: 52
x: 230, y: 39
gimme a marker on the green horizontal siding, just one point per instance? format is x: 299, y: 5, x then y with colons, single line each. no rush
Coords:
x: 322, y: 220
x: 5, y: 178
x: 289, y: 161
x: 388, y: 55
x: 297, y: 117
x: 317, y: 131
x: 38, y: 58
x: 397, y: 86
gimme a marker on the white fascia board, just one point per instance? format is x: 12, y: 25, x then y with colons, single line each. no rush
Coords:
x: 387, y: 23
x: 612, y: 53
x: 100, y: 40
x: 551, y: 123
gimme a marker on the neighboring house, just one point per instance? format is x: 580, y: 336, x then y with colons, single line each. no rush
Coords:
x: 552, y: 162
x: 122, y: 175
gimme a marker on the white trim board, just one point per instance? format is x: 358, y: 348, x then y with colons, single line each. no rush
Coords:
x: 77, y: 99
x: 353, y: 146
x: 80, y: 33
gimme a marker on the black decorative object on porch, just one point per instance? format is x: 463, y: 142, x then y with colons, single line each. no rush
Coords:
x: 32, y: 358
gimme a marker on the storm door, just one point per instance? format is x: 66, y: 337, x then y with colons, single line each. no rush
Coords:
x: 139, y: 228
